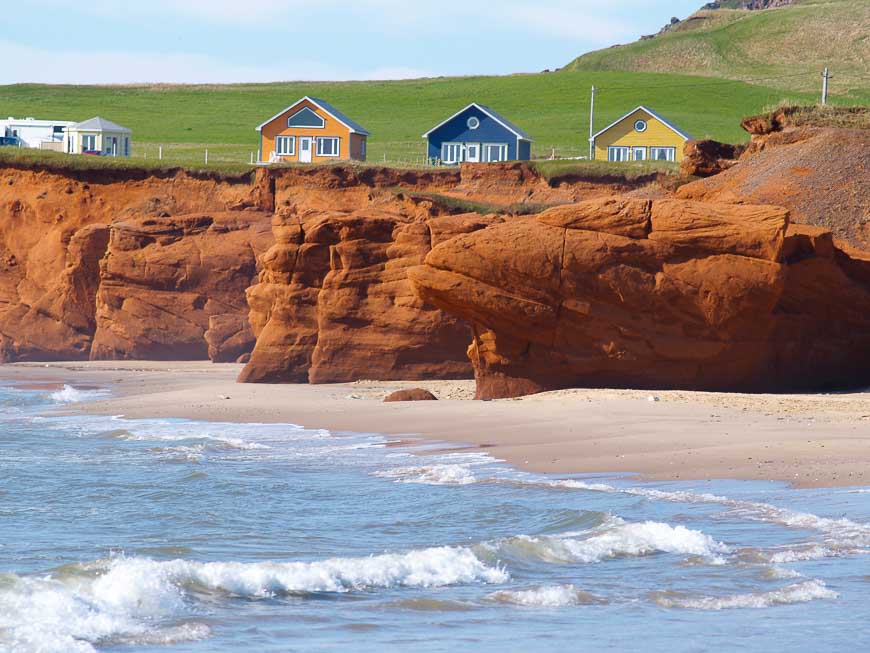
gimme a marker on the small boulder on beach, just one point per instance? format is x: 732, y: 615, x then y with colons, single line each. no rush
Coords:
x: 414, y: 394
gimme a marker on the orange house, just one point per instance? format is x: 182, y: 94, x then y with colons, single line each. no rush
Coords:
x: 311, y: 131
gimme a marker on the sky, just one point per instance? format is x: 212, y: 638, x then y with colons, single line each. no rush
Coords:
x: 217, y: 41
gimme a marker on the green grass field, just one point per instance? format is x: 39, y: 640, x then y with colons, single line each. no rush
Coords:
x: 786, y: 47
x: 552, y: 107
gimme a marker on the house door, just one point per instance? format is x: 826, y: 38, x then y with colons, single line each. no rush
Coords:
x: 638, y: 154
x: 472, y: 153
x: 305, y: 149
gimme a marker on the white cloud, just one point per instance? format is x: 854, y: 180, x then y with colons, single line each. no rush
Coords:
x: 40, y: 66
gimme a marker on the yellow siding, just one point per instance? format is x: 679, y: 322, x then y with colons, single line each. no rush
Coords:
x: 623, y: 134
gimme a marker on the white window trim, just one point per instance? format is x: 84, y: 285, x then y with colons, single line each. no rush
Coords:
x: 289, y: 118
x: 84, y: 139
x: 322, y: 139
x: 671, y: 154
x: 485, y: 152
x: 291, y: 150
x: 613, y: 148
x: 460, y: 149
x: 640, y: 147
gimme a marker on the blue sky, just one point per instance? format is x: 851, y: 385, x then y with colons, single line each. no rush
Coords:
x: 112, y: 41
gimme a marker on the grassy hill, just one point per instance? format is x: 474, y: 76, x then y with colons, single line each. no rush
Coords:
x: 552, y: 107
x: 785, y: 48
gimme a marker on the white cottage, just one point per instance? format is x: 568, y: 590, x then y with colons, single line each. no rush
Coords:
x: 97, y: 136
x: 30, y: 132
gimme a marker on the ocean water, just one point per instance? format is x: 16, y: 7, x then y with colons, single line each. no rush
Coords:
x: 172, y: 535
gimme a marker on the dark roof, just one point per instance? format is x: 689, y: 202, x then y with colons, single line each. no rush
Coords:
x: 355, y: 126
x: 507, y: 123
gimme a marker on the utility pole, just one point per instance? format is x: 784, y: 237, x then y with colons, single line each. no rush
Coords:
x: 591, y: 123
x: 825, y: 78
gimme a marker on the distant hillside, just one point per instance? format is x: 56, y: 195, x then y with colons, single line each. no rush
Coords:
x: 785, y: 46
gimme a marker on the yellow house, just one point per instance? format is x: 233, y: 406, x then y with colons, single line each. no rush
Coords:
x: 640, y: 135
x: 311, y: 131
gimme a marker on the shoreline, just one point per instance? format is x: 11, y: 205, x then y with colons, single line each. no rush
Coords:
x: 806, y: 440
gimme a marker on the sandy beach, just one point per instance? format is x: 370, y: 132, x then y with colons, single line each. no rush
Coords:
x: 812, y: 440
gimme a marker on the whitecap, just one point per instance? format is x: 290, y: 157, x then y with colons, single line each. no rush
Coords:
x: 71, y: 395
x: 799, y: 593
x: 615, y: 538
x: 550, y: 596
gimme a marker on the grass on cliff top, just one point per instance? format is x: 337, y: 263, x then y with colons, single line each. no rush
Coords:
x: 816, y: 115
x: 552, y: 107
x: 785, y: 47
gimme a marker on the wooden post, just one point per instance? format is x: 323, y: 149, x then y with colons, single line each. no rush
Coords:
x: 160, y: 152
x: 591, y: 123
x: 206, y: 156
x: 825, y: 78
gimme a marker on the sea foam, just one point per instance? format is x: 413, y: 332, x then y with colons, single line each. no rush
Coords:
x: 123, y: 598
x: 551, y: 596
x: 798, y: 593
x: 71, y: 395
x: 615, y: 538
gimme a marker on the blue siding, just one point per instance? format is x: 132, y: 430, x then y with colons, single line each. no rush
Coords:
x: 490, y: 131
x: 525, y: 151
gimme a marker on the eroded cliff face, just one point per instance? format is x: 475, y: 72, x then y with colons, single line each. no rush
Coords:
x: 822, y: 175
x: 334, y: 302
x: 73, y: 244
x: 138, y: 265
x: 660, y: 294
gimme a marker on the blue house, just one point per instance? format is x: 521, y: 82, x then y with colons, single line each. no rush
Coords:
x: 477, y: 134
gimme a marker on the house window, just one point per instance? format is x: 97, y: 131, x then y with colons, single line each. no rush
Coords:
x: 473, y: 122
x: 89, y: 142
x: 638, y: 153
x: 495, y: 152
x: 663, y: 153
x: 327, y: 146
x: 126, y: 146
x: 362, y: 148
x: 617, y: 153
x: 285, y: 145
x: 452, y: 153
x: 306, y: 118
x: 640, y: 126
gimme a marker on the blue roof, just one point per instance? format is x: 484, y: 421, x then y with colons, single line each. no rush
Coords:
x: 355, y: 126
x: 492, y: 114
x: 507, y: 123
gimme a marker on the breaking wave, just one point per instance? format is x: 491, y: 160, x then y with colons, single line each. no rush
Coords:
x: 72, y: 395
x: 615, y: 538
x: 122, y: 599
x: 799, y: 593
x: 553, y: 596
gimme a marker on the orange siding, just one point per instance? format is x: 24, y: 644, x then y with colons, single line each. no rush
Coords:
x: 278, y: 127
x: 357, y: 142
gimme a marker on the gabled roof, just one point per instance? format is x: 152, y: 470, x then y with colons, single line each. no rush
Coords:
x: 504, y: 122
x: 99, y: 124
x: 352, y: 125
x: 655, y: 115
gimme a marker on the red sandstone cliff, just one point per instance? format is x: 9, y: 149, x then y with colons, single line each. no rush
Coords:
x: 660, y: 294
x: 135, y: 264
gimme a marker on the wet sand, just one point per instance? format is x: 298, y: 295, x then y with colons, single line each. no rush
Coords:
x: 809, y: 440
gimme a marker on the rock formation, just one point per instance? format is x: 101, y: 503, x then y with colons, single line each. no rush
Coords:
x: 334, y: 302
x: 707, y: 158
x: 820, y: 174
x: 655, y: 294
x: 412, y: 394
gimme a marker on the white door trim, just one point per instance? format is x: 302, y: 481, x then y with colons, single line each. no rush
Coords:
x: 472, y: 147
x: 306, y: 143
